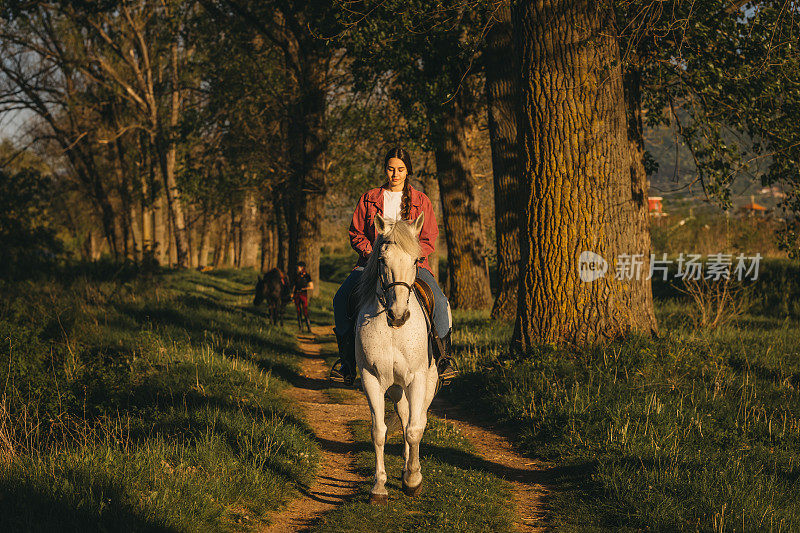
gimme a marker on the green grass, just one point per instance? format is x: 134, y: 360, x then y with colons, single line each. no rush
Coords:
x: 458, y: 494
x: 139, y: 402
x: 696, y: 430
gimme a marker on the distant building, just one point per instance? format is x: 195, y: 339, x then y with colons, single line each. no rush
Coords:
x: 753, y: 209
x: 773, y: 191
x: 655, y: 207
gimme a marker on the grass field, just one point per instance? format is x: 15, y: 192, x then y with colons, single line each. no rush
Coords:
x: 134, y: 402
x: 698, y: 430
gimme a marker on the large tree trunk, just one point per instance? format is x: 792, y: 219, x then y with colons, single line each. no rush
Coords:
x: 250, y: 231
x: 582, y: 186
x: 502, y: 90
x: 307, y: 149
x: 466, y: 262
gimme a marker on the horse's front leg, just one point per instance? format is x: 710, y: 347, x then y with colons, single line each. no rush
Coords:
x: 418, y: 417
x: 401, y: 407
x: 374, y: 392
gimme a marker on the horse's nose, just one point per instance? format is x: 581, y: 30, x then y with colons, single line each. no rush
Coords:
x: 397, y: 322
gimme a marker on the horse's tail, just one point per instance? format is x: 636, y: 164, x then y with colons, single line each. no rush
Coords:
x: 393, y: 425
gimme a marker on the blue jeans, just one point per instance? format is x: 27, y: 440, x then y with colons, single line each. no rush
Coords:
x: 441, y: 312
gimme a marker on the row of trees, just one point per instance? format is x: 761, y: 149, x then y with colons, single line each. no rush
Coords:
x: 189, y: 132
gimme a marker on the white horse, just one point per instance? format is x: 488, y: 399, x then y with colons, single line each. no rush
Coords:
x: 392, y: 348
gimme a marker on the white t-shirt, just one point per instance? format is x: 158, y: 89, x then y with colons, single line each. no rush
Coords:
x: 391, y: 205
x: 391, y: 208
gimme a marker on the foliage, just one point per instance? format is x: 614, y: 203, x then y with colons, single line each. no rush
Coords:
x: 27, y: 238
x: 421, y: 54
x: 726, y: 75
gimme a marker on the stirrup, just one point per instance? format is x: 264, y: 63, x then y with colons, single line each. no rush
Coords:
x: 337, y: 375
x: 447, y: 376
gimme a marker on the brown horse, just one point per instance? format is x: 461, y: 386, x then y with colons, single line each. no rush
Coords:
x: 273, y: 287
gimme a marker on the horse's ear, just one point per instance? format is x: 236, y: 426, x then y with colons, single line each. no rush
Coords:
x: 418, y: 223
x: 380, y: 224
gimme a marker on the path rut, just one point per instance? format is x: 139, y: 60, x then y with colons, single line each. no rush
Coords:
x: 337, y: 480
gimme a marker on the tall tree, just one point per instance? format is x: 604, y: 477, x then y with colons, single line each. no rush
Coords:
x: 502, y: 96
x: 584, y: 188
x: 420, y: 53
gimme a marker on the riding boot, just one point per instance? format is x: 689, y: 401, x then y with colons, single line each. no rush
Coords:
x: 308, y: 324
x: 344, y: 370
x: 445, y: 364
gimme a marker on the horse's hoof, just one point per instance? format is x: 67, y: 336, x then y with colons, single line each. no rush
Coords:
x: 412, y: 492
x: 378, y: 499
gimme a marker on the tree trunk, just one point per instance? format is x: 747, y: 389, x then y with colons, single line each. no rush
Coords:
x: 205, y: 241
x: 236, y: 218
x: 192, y: 234
x: 95, y: 245
x: 306, y: 201
x: 250, y: 231
x: 148, y: 201
x: 466, y: 264
x: 269, y: 244
x: 172, y: 250
x: 431, y: 187
x: 282, y: 234
x: 582, y: 187
x: 221, y: 245
x: 502, y: 90
x: 168, y: 152
x: 160, y: 231
x: 231, y: 253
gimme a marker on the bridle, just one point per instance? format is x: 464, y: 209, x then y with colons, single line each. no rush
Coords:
x: 385, y: 285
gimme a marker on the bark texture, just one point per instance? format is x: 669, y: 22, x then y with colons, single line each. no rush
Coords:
x: 251, y: 231
x: 502, y: 93
x: 582, y: 180
x: 431, y: 187
x: 466, y: 261
x: 306, y: 198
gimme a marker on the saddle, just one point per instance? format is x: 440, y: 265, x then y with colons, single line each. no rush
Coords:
x: 421, y: 289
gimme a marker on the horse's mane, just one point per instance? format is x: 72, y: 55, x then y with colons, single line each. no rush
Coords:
x: 401, y: 234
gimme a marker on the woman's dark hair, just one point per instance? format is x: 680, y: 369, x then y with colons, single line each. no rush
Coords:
x: 402, y: 154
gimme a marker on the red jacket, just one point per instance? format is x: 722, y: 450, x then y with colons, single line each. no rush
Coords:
x: 362, y: 228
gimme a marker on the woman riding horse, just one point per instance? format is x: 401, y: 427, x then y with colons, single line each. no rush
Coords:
x: 394, y: 200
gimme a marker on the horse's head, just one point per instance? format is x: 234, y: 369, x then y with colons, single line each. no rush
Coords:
x: 398, y: 253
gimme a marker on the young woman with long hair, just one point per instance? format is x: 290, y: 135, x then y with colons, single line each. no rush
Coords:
x: 395, y: 200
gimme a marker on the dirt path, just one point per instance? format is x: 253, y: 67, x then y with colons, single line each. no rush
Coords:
x: 337, y: 480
